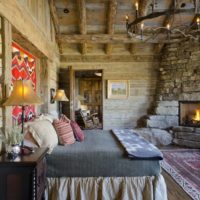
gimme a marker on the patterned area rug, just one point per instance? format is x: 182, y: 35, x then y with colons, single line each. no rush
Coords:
x: 184, y: 167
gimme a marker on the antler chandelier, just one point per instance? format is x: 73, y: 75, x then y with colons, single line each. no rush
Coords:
x: 138, y: 29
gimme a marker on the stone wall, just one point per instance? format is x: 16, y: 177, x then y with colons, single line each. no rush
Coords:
x: 180, y: 72
x: 179, y: 79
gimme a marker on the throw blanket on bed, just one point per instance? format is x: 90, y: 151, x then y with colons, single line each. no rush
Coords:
x: 136, y: 146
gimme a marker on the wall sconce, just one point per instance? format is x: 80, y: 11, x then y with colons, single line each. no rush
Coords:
x: 52, y: 94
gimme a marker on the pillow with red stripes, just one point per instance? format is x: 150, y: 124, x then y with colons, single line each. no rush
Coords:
x: 64, y: 131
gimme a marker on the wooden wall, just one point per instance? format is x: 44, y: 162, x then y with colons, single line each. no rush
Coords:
x: 1, y: 71
x: 142, y: 76
x: 91, y: 90
x: 32, y: 19
x: 30, y: 25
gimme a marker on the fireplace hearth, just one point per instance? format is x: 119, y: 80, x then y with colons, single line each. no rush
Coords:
x: 189, y: 113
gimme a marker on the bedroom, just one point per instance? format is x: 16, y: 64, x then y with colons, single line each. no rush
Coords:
x: 92, y: 35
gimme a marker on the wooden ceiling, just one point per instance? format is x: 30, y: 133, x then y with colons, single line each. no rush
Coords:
x: 97, y: 27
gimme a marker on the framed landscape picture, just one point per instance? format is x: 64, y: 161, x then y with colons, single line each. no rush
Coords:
x: 118, y: 89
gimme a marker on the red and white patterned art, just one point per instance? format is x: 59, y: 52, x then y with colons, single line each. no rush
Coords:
x: 23, y: 67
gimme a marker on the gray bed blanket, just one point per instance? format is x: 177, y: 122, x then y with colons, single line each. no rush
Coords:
x: 136, y: 146
x: 99, y: 155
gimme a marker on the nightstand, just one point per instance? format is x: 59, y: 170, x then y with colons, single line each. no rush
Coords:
x: 25, y: 177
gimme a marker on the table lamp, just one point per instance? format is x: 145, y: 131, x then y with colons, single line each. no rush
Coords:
x: 79, y: 99
x: 60, y: 96
x: 23, y: 95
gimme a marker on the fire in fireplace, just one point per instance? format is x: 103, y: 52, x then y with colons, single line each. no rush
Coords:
x: 189, y: 113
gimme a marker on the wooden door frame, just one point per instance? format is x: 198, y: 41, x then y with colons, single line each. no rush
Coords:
x: 71, y: 96
x: 72, y: 91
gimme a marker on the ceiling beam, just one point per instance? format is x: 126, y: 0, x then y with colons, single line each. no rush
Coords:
x: 132, y: 48
x: 143, y: 7
x: 169, y: 18
x: 108, y: 58
x: 111, y: 21
x: 158, y: 14
x: 54, y: 16
x: 107, y: 38
x: 55, y: 20
x: 82, y: 23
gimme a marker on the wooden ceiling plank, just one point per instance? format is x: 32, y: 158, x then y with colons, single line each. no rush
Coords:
x: 54, y: 16
x: 82, y: 23
x: 132, y: 48
x: 106, y: 58
x: 82, y: 16
x: 111, y: 22
x: 107, y: 38
x: 161, y: 13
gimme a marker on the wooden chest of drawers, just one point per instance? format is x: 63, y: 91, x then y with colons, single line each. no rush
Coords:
x: 23, y: 178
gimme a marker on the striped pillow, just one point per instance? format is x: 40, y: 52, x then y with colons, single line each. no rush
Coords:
x: 64, y: 132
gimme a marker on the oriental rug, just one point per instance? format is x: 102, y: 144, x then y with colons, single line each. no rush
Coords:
x: 184, y: 167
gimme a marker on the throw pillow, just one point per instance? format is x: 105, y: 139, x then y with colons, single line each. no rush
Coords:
x: 44, y: 134
x: 29, y: 140
x: 44, y: 117
x: 79, y: 135
x: 64, y: 132
x: 64, y: 118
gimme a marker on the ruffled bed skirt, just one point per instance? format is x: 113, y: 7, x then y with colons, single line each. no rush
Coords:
x: 106, y: 188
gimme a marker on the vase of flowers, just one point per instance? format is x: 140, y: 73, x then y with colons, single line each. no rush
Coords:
x: 12, y: 140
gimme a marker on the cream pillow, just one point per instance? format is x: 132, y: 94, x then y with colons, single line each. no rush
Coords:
x: 44, y: 117
x: 44, y: 134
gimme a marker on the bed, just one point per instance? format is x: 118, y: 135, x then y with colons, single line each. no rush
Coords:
x: 99, y: 168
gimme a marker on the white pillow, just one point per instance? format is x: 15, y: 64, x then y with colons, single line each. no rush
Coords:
x: 43, y: 117
x: 44, y: 134
x: 30, y: 144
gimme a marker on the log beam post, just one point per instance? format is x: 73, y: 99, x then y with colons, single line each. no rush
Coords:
x: 111, y: 21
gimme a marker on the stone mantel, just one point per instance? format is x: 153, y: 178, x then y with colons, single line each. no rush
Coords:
x: 186, y: 136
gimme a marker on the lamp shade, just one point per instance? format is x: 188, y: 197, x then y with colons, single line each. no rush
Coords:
x: 60, y: 96
x: 22, y: 94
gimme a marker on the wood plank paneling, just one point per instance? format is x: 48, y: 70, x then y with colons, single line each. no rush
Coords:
x: 7, y: 60
x: 142, y: 76
x: 21, y: 18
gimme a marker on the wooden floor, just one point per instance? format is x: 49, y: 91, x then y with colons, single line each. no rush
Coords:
x: 174, y: 191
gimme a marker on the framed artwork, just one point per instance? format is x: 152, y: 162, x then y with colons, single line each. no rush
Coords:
x: 117, y: 89
x: 23, y: 67
x: 52, y: 94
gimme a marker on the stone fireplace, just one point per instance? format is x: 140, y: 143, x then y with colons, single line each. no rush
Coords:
x: 189, y: 113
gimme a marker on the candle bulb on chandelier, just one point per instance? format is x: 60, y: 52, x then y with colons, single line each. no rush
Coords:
x: 198, y: 22
x: 168, y: 32
x: 127, y: 18
x: 141, y: 29
x: 168, y: 27
x: 136, y: 9
x: 136, y: 6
